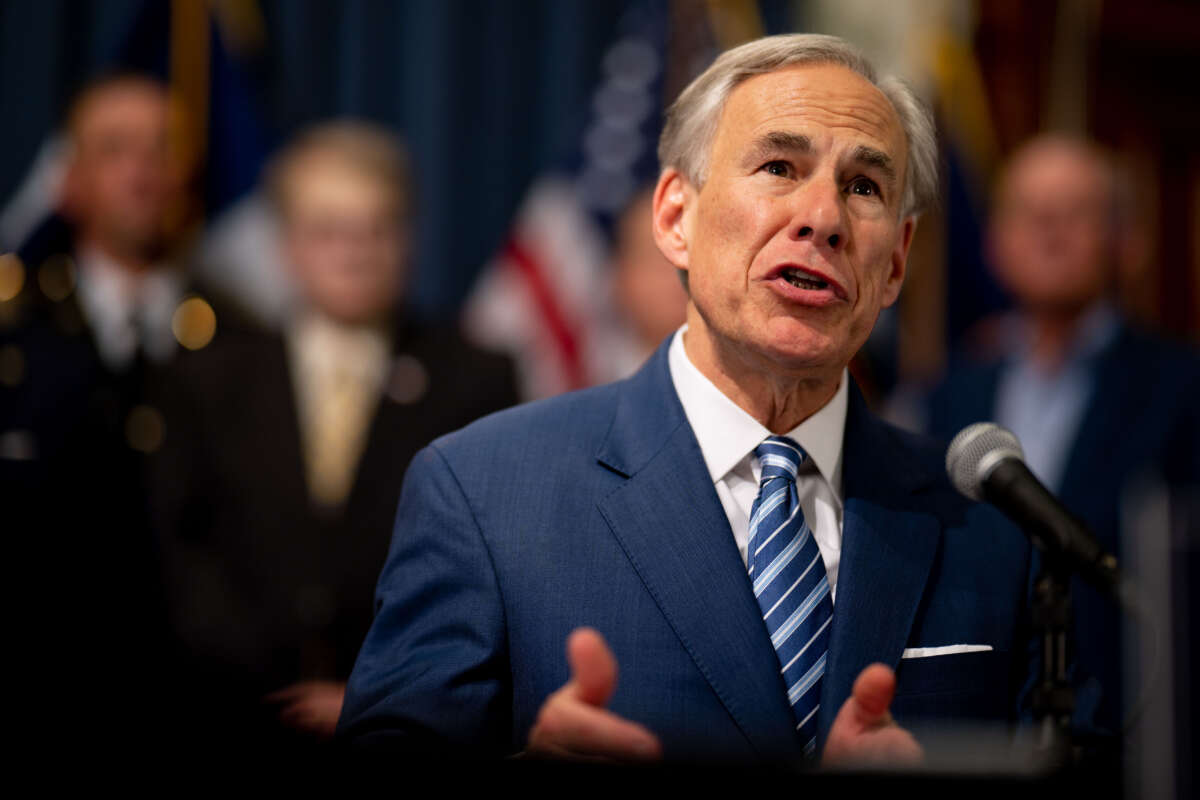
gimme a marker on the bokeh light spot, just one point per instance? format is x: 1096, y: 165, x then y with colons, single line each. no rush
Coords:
x: 56, y: 277
x: 145, y: 429
x: 194, y: 323
x: 12, y: 277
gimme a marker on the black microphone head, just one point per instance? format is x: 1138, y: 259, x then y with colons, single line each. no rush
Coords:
x: 975, y: 452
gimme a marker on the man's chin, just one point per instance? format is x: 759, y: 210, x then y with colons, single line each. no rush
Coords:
x: 809, y: 356
x: 800, y: 343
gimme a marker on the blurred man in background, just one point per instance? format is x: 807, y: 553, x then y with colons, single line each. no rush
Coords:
x: 278, y: 491
x: 1096, y: 404
x: 103, y: 267
x: 84, y: 345
x: 649, y: 294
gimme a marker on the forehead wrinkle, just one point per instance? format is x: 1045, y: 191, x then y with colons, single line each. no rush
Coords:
x: 855, y: 115
x: 870, y: 106
x: 779, y: 141
x: 880, y: 125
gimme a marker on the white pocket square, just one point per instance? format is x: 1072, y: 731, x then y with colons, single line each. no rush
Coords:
x: 945, y: 650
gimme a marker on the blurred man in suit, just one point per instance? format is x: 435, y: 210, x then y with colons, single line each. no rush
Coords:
x: 775, y: 570
x: 650, y: 299
x: 1096, y: 403
x: 278, y: 489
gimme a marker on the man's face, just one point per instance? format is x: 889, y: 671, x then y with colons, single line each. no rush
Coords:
x: 344, y: 239
x: 121, y: 185
x: 795, y: 242
x: 1050, y: 236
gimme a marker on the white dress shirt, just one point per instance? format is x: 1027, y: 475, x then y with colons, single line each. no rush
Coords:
x: 1044, y: 406
x: 126, y: 309
x: 728, y: 437
x: 338, y: 373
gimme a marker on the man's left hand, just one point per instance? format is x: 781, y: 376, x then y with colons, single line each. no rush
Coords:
x: 864, y: 733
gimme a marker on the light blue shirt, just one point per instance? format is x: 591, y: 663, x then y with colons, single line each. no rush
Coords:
x: 1044, y: 408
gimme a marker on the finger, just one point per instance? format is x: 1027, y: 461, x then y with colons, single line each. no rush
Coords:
x: 287, y: 694
x: 302, y: 710
x: 864, y: 710
x: 568, y: 727
x: 872, y: 694
x: 593, y: 667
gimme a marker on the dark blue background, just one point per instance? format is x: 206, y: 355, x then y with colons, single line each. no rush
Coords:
x: 486, y: 92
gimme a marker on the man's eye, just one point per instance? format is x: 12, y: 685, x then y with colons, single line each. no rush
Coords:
x: 864, y: 187
x: 778, y: 168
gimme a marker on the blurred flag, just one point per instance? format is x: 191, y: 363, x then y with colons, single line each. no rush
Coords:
x: 546, y: 297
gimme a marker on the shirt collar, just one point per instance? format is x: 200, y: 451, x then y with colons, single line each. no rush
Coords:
x: 1095, y: 331
x: 727, y: 434
x: 322, y: 345
x: 111, y: 296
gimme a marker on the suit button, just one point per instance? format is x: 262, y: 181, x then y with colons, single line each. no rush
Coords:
x: 145, y: 429
x: 409, y: 380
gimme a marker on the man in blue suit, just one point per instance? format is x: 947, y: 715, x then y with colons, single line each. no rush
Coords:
x: 765, y: 561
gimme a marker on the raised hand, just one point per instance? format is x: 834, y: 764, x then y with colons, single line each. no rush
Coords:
x: 573, y: 723
x: 310, y: 706
x: 864, y: 732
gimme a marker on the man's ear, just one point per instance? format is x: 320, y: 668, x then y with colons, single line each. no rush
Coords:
x: 899, y: 262
x: 672, y: 197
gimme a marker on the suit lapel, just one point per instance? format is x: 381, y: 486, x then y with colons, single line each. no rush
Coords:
x: 1119, y: 375
x: 888, y: 549
x: 279, y: 419
x: 384, y: 428
x: 670, y: 524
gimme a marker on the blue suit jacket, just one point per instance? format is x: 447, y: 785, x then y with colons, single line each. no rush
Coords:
x: 596, y: 508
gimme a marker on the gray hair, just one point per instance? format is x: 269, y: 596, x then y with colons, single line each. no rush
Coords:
x: 691, y: 121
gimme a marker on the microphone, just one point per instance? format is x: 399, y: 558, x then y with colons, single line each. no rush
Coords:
x: 985, y: 462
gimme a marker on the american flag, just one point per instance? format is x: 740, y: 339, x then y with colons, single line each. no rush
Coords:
x: 544, y: 297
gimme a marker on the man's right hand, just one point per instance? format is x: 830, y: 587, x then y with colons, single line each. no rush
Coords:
x: 573, y: 723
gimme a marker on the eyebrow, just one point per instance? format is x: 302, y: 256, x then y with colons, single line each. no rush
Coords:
x: 871, y: 157
x: 775, y: 142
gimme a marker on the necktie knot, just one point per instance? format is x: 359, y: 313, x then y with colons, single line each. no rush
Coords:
x: 780, y: 457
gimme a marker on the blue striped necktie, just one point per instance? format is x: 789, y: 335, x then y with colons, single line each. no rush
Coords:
x: 790, y: 582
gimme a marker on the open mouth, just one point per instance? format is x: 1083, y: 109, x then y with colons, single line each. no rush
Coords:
x: 803, y: 280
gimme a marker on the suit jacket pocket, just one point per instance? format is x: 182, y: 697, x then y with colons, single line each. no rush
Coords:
x: 957, y: 686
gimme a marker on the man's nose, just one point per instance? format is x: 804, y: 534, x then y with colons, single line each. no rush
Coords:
x: 819, y: 215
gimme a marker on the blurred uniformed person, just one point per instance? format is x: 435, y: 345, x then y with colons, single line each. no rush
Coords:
x: 90, y: 313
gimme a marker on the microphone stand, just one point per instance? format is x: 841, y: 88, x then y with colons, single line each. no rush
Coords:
x: 1053, y: 697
